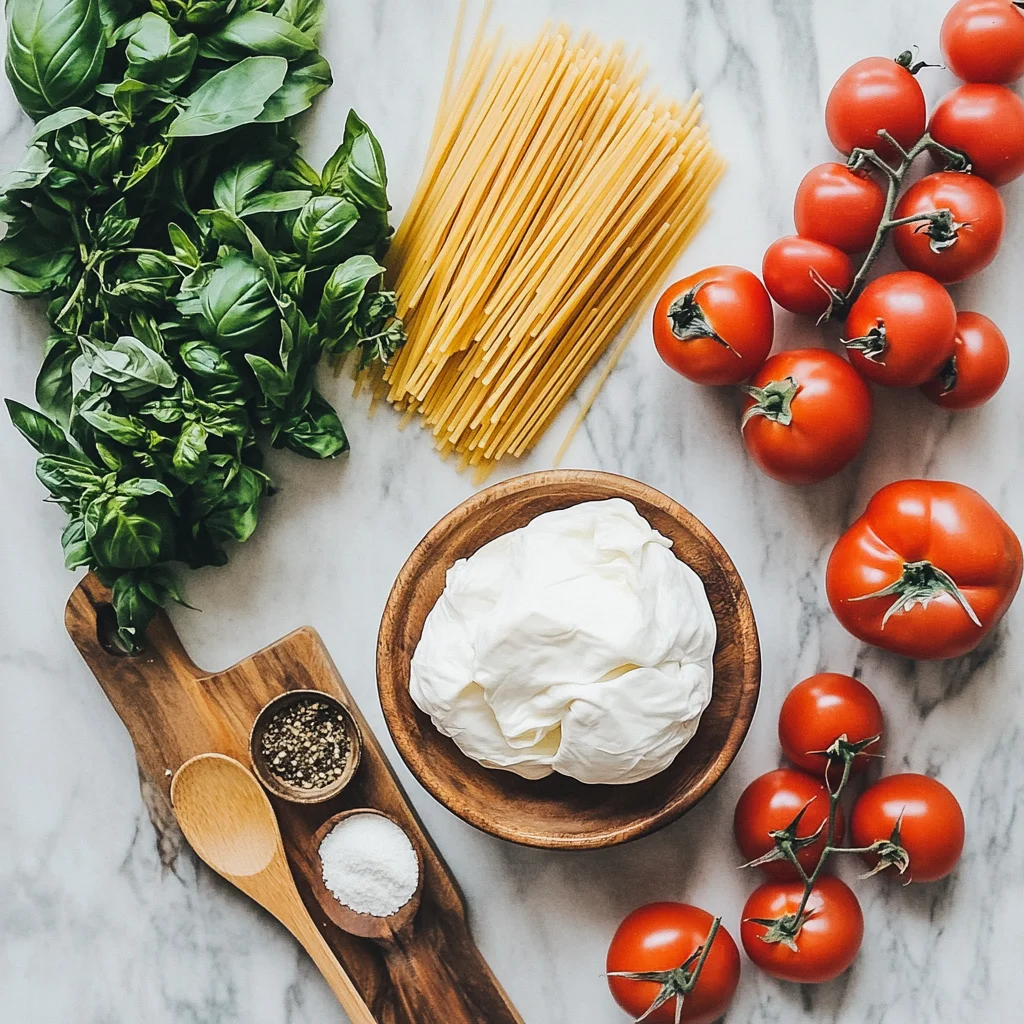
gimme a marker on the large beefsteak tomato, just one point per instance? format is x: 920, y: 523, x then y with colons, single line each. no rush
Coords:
x: 927, y: 570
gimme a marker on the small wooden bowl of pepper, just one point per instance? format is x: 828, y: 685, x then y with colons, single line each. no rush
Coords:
x: 305, y: 746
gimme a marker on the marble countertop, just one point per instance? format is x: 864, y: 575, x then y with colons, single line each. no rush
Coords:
x: 105, y: 916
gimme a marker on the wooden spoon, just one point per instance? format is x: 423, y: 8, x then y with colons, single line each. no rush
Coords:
x: 228, y: 819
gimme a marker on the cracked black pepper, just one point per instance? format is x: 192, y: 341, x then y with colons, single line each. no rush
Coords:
x: 307, y: 744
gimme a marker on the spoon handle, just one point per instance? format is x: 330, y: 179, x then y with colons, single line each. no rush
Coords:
x: 303, y: 928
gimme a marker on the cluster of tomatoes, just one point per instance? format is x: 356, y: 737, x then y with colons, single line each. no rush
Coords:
x: 808, y: 412
x: 911, y: 823
x: 802, y: 924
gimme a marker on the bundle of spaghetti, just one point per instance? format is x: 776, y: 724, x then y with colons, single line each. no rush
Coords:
x: 556, y: 197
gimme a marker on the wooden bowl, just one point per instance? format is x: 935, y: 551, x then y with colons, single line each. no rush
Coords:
x: 277, y: 785
x: 558, y: 812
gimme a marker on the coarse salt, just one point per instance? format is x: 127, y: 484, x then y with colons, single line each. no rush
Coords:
x: 369, y: 864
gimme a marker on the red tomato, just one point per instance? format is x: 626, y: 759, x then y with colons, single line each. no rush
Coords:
x: 769, y: 804
x: 828, y: 941
x: 660, y: 937
x: 876, y: 93
x: 926, y: 572
x: 808, y: 414
x: 901, y: 330
x: 930, y: 819
x: 817, y: 711
x: 983, y: 41
x: 950, y: 249
x: 839, y: 207
x: 715, y: 327
x: 987, y: 123
x: 976, y: 369
x: 794, y: 268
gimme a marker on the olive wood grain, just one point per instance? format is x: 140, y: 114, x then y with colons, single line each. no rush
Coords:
x: 174, y: 711
x: 558, y: 812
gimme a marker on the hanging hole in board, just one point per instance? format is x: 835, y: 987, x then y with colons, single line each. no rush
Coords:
x: 106, y: 632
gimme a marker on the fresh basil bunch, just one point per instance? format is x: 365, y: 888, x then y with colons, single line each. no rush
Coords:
x: 196, y: 270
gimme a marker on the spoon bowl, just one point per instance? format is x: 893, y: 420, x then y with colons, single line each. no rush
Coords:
x: 367, y: 926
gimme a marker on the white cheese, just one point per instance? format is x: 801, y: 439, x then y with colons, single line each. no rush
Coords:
x: 578, y: 644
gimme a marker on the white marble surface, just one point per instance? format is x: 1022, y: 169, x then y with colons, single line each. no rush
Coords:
x: 106, y: 920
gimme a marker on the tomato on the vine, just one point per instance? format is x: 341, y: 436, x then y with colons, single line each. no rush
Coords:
x: 769, y: 804
x: 875, y: 94
x: 951, y: 247
x: 985, y: 122
x: 930, y: 836
x: 839, y: 207
x: 661, y: 937
x: 983, y: 41
x: 801, y: 274
x: 828, y: 940
x: 901, y: 330
x: 926, y: 572
x: 820, y: 709
x: 716, y: 326
x: 807, y: 414
x: 976, y: 369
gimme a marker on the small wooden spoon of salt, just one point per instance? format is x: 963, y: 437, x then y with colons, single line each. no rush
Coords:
x: 229, y: 822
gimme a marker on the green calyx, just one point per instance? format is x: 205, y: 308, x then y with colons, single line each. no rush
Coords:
x: 948, y: 375
x: 890, y: 853
x: 688, y: 321
x: 872, y: 345
x: 774, y: 401
x: 919, y: 583
x: 676, y: 983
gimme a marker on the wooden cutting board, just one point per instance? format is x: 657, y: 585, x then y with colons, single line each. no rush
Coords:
x: 173, y: 711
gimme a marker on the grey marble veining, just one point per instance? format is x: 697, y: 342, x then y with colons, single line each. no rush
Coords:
x: 105, y: 918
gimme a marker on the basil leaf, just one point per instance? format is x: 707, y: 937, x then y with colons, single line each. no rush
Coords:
x: 189, y: 461
x: 118, y: 538
x: 275, y: 384
x: 256, y: 32
x: 53, y: 385
x: 209, y: 363
x: 234, y: 186
x: 307, y: 15
x: 232, y: 97
x: 64, y: 477
x: 158, y: 55
x: 130, y: 366
x: 317, y: 433
x: 238, y: 310
x: 230, y: 511
x: 306, y: 79
x: 40, y: 431
x: 140, y: 487
x: 342, y: 294
x: 125, y: 429
x: 34, y: 169
x: 320, y: 231
x: 76, y: 547
x: 59, y: 119
x: 276, y: 202
x: 117, y: 229
x: 134, y: 609
x: 185, y: 250
x: 357, y: 167
x: 194, y: 13
x: 55, y: 52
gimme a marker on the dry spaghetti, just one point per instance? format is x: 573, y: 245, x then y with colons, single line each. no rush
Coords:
x: 556, y: 197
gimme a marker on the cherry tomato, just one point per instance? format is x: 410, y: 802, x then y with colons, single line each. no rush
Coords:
x: 794, y: 268
x: 901, y: 330
x: 976, y: 369
x: 817, y: 711
x: 950, y: 249
x: 876, y: 93
x: 839, y: 207
x: 769, y: 804
x: 660, y: 937
x: 715, y: 327
x: 930, y: 819
x: 987, y: 123
x: 808, y: 414
x: 983, y: 41
x: 926, y: 572
x: 827, y: 943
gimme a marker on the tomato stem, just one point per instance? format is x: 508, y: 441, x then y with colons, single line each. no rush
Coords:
x: 940, y: 222
x: 688, y: 321
x: 919, y: 583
